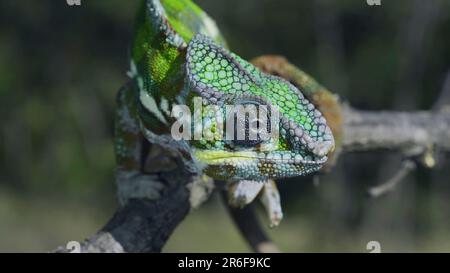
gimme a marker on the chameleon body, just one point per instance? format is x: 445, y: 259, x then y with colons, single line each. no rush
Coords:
x: 178, y: 54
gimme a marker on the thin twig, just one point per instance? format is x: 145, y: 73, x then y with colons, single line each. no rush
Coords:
x: 407, y: 166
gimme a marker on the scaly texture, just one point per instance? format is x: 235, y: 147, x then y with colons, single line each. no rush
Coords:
x: 222, y: 77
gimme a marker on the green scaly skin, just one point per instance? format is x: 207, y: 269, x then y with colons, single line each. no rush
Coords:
x: 178, y: 54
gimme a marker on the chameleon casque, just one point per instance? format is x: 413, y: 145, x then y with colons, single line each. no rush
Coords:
x: 178, y: 54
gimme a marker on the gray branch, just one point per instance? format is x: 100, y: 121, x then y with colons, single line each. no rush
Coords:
x: 401, y: 131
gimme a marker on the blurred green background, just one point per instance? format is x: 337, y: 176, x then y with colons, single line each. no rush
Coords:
x: 60, y: 68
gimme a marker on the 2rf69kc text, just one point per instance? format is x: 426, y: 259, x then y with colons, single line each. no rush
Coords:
x: 226, y: 262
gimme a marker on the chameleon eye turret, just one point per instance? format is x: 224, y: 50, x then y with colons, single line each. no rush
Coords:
x: 249, y: 125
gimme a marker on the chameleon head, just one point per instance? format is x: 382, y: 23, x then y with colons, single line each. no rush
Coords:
x: 222, y: 78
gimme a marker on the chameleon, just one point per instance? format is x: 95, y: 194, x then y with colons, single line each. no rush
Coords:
x: 178, y: 54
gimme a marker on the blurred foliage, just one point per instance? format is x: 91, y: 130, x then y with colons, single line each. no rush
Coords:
x: 60, y: 68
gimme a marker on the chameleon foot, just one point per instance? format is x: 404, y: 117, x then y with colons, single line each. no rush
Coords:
x: 270, y: 197
x: 244, y: 192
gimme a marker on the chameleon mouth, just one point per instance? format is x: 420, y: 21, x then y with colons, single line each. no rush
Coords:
x: 214, y: 157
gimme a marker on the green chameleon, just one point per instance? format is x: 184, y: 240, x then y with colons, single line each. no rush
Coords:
x: 179, y: 54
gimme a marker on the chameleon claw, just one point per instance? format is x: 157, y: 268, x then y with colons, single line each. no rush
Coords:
x: 270, y: 198
x: 243, y: 192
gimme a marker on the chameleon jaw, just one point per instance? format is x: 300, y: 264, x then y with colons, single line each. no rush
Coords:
x: 215, y: 157
x: 248, y: 165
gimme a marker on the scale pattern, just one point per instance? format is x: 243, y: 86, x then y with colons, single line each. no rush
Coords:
x: 215, y: 73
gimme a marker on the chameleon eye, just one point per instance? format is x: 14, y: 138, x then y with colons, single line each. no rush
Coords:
x: 249, y: 128
x: 250, y: 134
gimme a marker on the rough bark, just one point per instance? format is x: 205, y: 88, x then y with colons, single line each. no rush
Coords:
x: 143, y: 225
x: 403, y: 131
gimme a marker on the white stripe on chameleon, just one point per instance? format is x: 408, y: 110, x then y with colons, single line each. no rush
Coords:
x: 164, y: 106
x: 133, y: 70
x: 150, y: 104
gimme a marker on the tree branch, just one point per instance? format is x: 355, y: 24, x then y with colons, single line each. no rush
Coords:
x: 401, y: 131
